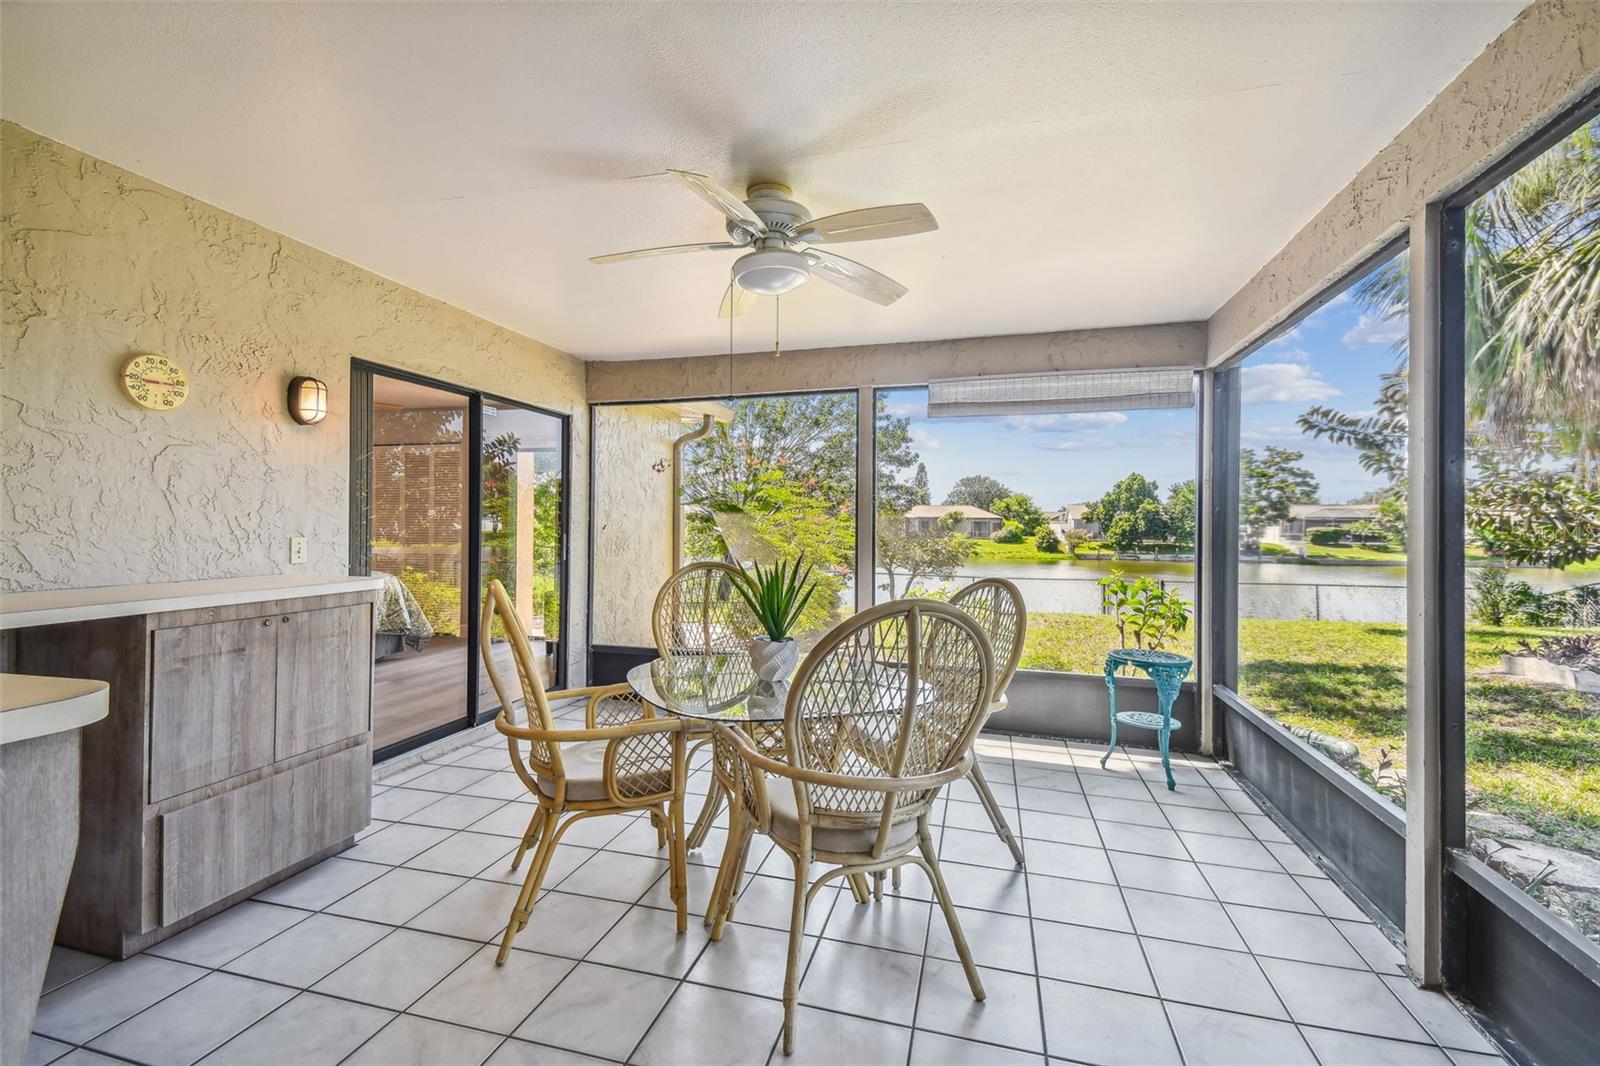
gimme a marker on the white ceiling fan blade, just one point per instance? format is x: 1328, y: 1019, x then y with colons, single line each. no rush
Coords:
x: 722, y: 200
x: 854, y: 278
x: 735, y: 302
x: 671, y: 249
x: 872, y: 223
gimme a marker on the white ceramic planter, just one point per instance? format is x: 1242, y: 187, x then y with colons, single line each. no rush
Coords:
x: 774, y: 660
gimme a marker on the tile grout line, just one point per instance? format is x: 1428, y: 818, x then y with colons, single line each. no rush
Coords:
x: 1021, y: 813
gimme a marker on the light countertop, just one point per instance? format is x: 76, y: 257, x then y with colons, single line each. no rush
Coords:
x: 33, y: 706
x: 54, y: 606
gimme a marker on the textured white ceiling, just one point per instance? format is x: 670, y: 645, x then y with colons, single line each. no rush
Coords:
x: 1089, y: 164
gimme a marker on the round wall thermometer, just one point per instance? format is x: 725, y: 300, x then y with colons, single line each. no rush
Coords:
x: 155, y: 382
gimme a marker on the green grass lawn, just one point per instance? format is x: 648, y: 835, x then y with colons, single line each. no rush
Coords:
x: 1363, y: 552
x: 994, y: 551
x: 1533, y: 752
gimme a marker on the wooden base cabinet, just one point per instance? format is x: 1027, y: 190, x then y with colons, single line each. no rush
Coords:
x: 237, y: 752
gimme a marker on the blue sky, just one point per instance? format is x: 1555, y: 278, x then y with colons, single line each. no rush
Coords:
x: 1334, y: 357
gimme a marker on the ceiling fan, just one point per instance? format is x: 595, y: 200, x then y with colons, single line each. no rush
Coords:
x: 778, y: 236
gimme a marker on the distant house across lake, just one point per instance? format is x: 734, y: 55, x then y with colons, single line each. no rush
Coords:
x: 1074, y: 516
x: 1306, y: 517
x: 972, y: 521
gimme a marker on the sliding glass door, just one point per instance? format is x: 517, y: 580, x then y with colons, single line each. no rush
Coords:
x: 523, y: 488
x: 451, y: 490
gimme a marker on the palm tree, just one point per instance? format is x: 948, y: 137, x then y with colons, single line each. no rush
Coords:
x: 1533, y: 301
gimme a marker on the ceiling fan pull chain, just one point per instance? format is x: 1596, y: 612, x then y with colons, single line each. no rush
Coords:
x: 777, y: 311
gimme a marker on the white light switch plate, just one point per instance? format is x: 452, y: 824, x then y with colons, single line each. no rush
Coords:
x: 297, y: 549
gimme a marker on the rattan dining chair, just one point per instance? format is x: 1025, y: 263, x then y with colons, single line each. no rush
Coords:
x: 880, y: 716
x: 574, y: 774
x: 996, y: 605
x: 698, y: 612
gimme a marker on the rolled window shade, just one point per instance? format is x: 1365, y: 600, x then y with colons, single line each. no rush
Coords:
x: 1041, y: 394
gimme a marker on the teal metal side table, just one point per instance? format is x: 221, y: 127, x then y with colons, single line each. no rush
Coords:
x: 1167, y: 670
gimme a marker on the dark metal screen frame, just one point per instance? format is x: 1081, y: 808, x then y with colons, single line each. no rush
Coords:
x: 361, y: 374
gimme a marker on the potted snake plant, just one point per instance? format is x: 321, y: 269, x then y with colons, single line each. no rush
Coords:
x: 776, y: 595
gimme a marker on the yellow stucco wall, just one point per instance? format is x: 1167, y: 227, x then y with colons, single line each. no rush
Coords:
x: 99, y: 263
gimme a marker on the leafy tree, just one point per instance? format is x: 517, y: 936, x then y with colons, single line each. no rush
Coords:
x: 1130, y: 514
x: 1020, y: 508
x: 811, y: 440
x: 1182, y: 511
x: 976, y: 490
x: 1528, y: 502
x: 895, y: 455
x: 1533, y: 301
x: 906, y: 557
x: 782, y: 521
x: 919, y: 486
x: 1047, y: 541
x: 1010, y: 533
x: 1269, y: 483
x: 1534, y: 516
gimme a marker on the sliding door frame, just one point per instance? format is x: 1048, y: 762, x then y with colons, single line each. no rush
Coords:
x: 361, y: 373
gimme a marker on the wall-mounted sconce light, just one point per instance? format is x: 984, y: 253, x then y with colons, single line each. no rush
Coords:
x: 308, y: 400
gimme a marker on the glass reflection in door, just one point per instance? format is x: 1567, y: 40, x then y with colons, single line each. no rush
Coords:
x: 521, y: 531
x: 418, y: 539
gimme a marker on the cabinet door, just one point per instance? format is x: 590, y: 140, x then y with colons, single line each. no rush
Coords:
x: 211, y: 703
x: 324, y: 677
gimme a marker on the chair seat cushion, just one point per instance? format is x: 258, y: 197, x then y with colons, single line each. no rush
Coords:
x: 585, y: 764
x: 836, y: 840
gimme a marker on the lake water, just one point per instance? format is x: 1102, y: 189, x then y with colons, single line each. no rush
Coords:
x: 1347, y: 593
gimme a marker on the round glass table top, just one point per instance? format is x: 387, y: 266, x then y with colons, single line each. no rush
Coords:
x: 723, y: 687
x: 720, y: 687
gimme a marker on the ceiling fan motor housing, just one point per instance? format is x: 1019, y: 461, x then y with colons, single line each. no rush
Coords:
x: 773, y: 268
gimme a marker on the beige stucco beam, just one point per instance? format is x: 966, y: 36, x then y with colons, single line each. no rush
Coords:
x: 882, y: 365
x: 1544, y: 61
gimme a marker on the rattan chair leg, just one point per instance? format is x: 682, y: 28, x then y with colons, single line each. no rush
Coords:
x: 717, y: 901
x: 930, y: 856
x: 858, y: 887
x: 797, y: 936
x: 730, y: 888
x: 708, y: 815
x: 895, y: 878
x: 530, y: 886
x: 529, y: 836
x: 679, y: 862
x: 991, y: 806
x: 877, y: 885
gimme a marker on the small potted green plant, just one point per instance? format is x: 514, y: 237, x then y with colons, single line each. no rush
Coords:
x: 776, y: 595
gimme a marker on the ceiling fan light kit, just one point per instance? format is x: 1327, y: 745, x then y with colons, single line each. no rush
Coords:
x: 771, y: 271
x: 780, y: 233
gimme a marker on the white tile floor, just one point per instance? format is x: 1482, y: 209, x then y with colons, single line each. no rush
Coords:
x: 1149, y: 927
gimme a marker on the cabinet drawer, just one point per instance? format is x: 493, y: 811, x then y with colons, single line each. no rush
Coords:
x: 316, y: 805
x: 215, y: 848
x: 225, y: 844
x: 212, y: 696
x: 324, y: 677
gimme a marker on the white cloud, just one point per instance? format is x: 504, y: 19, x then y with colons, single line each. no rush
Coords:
x: 923, y: 439
x: 1097, y: 418
x: 1283, y: 383
x: 1370, y: 331
x: 1064, y: 422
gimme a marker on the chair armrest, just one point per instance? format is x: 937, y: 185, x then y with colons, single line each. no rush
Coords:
x: 619, y: 693
x: 577, y: 736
